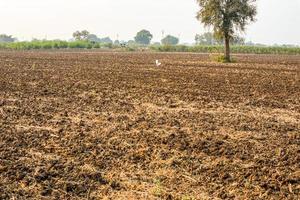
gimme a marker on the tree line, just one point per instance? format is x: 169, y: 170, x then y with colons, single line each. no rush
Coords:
x: 143, y: 37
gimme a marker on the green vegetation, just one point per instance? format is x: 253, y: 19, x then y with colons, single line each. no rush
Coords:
x: 55, y: 44
x: 220, y: 58
x: 170, y: 40
x: 234, y: 49
x: 82, y: 44
x: 35, y: 45
x: 205, y: 43
x: 132, y: 46
x: 81, y: 35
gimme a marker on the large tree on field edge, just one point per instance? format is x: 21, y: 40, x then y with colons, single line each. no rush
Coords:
x: 226, y: 17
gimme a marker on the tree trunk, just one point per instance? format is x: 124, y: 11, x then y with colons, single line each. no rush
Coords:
x: 227, y: 48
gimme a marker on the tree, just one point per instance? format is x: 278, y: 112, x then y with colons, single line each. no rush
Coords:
x: 106, y: 40
x: 116, y: 42
x: 170, y: 40
x: 143, y: 37
x: 7, y: 38
x: 93, y: 38
x: 77, y: 35
x: 131, y: 42
x: 81, y: 35
x: 226, y: 17
x: 156, y: 44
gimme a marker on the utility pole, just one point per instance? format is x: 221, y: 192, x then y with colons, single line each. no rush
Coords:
x: 162, y: 34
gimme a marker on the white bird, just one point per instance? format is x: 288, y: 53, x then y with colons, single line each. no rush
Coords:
x: 157, y: 63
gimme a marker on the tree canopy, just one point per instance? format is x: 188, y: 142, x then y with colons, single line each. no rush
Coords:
x: 170, y: 40
x: 93, y: 38
x: 81, y: 35
x: 7, y: 38
x: 143, y: 37
x: 106, y: 40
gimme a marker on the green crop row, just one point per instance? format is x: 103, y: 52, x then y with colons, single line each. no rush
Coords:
x: 59, y: 44
x: 56, y: 44
x: 234, y: 49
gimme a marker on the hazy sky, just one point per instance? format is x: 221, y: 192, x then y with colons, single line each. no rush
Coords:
x: 278, y: 21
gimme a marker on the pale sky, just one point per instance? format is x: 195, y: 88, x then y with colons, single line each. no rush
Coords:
x: 278, y: 21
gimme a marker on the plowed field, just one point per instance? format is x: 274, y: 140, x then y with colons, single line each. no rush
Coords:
x: 104, y: 125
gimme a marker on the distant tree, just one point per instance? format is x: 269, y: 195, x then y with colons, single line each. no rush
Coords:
x: 93, y: 38
x: 106, y: 40
x: 170, y: 40
x: 81, y: 35
x: 156, y: 43
x: 207, y: 38
x: 131, y: 42
x: 226, y: 17
x: 77, y: 35
x: 116, y: 42
x: 143, y: 37
x: 237, y: 40
x: 7, y: 38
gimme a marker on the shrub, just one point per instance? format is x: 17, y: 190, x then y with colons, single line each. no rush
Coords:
x: 107, y: 45
x: 46, y: 45
x: 89, y: 45
x: 220, y: 58
x: 60, y: 44
x: 96, y: 46
x: 78, y: 44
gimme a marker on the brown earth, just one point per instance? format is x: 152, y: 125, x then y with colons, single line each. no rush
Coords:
x: 96, y: 125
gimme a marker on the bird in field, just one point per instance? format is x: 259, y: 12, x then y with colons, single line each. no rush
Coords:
x: 157, y: 63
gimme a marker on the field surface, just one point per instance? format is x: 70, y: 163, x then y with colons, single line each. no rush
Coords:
x: 92, y: 125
